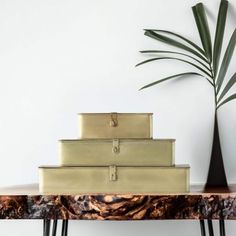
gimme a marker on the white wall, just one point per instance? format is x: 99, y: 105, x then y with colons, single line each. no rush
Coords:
x: 62, y: 57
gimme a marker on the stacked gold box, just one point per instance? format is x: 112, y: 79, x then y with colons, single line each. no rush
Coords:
x: 115, y: 153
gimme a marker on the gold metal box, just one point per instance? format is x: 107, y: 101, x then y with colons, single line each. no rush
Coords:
x: 122, y: 152
x: 114, y: 180
x: 115, y: 125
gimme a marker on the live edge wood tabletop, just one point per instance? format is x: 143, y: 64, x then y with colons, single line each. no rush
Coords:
x: 25, y: 202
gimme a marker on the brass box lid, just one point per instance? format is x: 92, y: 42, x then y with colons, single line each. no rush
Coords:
x: 115, y: 125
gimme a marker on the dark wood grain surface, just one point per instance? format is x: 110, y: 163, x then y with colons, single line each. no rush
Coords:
x: 25, y: 202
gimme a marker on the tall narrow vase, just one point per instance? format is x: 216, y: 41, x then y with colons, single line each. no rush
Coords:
x: 216, y: 173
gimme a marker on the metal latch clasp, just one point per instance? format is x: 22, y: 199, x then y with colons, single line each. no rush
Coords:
x: 116, y: 146
x: 113, y: 173
x: 114, y: 119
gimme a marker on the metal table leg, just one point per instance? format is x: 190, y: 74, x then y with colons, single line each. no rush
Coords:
x: 54, y: 228
x: 46, y: 227
x: 210, y: 228
x: 222, y: 227
x: 202, y: 226
x: 64, y: 231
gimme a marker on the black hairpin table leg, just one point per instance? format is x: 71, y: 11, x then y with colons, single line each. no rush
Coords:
x: 202, y: 226
x: 210, y: 228
x: 54, y: 228
x: 222, y: 227
x: 46, y: 227
x: 64, y: 231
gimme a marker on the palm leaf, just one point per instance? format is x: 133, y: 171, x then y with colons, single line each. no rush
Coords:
x: 168, y: 78
x: 173, y: 42
x: 228, y: 86
x: 174, y: 58
x: 226, y: 60
x: 183, y: 38
x: 219, y: 35
x: 177, y: 53
x: 203, y: 28
x: 230, y: 98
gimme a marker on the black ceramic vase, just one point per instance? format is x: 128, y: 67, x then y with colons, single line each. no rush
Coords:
x: 216, y: 173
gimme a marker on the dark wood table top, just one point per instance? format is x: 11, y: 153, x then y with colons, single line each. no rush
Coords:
x: 25, y: 202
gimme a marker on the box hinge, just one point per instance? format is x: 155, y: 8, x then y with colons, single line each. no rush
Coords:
x: 113, y: 173
x: 113, y: 119
x: 116, y: 146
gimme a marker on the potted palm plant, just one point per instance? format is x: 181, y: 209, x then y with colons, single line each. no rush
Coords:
x: 205, y: 60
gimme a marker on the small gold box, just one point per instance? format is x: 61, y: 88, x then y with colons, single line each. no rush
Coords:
x: 122, y: 152
x: 113, y: 180
x: 115, y: 125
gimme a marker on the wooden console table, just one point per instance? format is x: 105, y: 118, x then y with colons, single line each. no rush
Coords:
x: 25, y: 202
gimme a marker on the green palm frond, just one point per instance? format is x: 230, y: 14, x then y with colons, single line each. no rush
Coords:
x: 205, y: 59
x: 219, y: 35
x: 168, y: 78
x: 173, y: 42
x: 203, y: 29
x: 175, y: 58
x: 228, y: 86
x: 177, y: 53
x: 230, y: 98
x: 226, y: 60
x: 182, y: 38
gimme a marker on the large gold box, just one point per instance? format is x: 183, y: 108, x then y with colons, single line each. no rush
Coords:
x: 122, y: 152
x: 115, y: 125
x: 113, y: 180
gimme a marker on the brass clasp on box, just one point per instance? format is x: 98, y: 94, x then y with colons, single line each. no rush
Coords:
x: 114, y: 119
x: 113, y: 173
x: 116, y: 146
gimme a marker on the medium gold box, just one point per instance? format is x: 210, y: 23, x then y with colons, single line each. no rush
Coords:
x: 113, y: 180
x: 115, y: 125
x: 122, y: 152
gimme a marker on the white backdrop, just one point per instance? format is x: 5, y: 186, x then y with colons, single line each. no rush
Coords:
x: 62, y: 57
